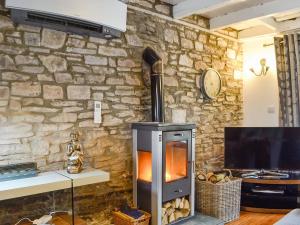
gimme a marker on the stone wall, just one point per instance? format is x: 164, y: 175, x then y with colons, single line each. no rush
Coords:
x: 50, y: 79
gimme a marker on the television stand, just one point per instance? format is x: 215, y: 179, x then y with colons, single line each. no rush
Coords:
x: 263, y: 174
x: 270, y: 195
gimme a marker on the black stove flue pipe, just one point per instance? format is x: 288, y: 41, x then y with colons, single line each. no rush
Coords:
x: 157, y: 93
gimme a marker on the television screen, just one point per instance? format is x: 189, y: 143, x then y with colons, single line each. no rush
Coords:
x: 262, y: 148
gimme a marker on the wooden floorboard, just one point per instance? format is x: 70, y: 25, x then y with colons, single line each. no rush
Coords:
x: 250, y: 218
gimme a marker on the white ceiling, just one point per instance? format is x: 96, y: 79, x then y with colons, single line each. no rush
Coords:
x: 268, y: 16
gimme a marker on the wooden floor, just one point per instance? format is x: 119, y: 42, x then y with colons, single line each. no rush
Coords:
x: 249, y: 218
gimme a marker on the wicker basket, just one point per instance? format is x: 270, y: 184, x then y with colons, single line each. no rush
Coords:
x: 123, y: 219
x: 221, y: 200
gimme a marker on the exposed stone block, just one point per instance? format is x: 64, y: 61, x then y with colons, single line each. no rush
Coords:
x: 64, y: 118
x: 170, y: 81
x: 231, y: 54
x: 95, y: 79
x: 28, y: 89
x: 185, y: 60
x: 86, y: 115
x: 131, y: 100
x: 178, y: 115
x: 26, y: 60
x: 95, y: 60
x: 185, y: 43
x: 74, y: 42
x: 88, y: 123
x: 32, y: 69
x: 39, y: 147
x: 54, y: 63
x: 53, y: 92
x: 165, y: 9
x: 45, y: 77
x: 53, y: 39
x: 9, y: 49
x: 133, y: 40
x: 111, y: 51
x: 82, y: 51
x: 79, y: 92
x: 4, y: 92
x: 28, y: 118
x: 6, y: 23
x: 199, y: 46
x: 109, y: 120
x: 32, y: 39
x: 6, y: 63
x: 126, y: 63
x: 15, y: 130
x: 12, y: 149
x: 39, y: 109
x: 63, y: 78
x: 171, y: 36
x: 114, y: 81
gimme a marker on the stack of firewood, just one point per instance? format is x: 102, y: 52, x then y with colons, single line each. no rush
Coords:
x: 215, y: 177
x: 175, y: 209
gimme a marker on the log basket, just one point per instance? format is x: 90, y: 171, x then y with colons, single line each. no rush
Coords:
x: 220, y: 200
x: 123, y: 219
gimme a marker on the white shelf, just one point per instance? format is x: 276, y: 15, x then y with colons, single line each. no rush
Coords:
x: 44, y: 182
x: 50, y: 181
x: 86, y: 177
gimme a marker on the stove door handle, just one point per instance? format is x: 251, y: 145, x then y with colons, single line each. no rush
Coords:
x: 179, y: 191
x: 178, y: 134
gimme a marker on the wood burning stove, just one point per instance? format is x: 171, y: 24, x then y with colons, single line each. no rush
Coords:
x: 163, y: 168
x: 163, y: 158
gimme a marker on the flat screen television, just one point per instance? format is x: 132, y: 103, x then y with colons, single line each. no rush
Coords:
x: 270, y: 148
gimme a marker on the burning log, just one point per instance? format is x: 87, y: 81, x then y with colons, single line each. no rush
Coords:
x: 175, y: 210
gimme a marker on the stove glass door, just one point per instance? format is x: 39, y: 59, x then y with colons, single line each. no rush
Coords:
x: 144, y: 166
x: 177, y: 164
x: 176, y: 160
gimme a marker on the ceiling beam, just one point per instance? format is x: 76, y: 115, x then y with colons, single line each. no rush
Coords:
x: 289, y: 25
x: 273, y: 29
x: 172, y: 2
x: 190, y: 7
x: 269, y: 22
x: 287, y: 17
x: 254, y: 32
x: 255, y: 12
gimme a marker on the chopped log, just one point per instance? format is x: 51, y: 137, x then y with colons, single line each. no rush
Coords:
x: 181, y: 203
x: 177, y: 202
x: 165, y: 220
x: 170, y: 211
x: 209, y: 175
x: 217, y: 178
x: 163, y: 211
x: 201, y: 177
x: 185, y: 212
x: 167, y: 205
x: 172, y: 218
x: 173, y: 204
x: 178, y: 214
x: 186, y: 204
x: 174, y: 210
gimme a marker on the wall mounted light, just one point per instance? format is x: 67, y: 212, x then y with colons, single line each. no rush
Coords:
x: 264, y: 68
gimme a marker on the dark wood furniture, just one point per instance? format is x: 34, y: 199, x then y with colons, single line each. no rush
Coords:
x: 271, y: 195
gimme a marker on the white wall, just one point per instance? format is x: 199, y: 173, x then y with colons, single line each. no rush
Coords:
x: 260, y: 94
